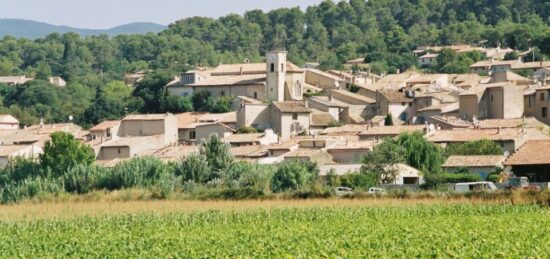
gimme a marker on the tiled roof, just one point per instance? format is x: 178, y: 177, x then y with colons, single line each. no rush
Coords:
x: 255, y: 79
x: 443, y: 107
x: 145, y: 117
x: 395, y: 96
x: 250, y: 68
x: 504, y: 134
x: 192, y: 119
x: 292, y: 106
x: 475, y: 161
x: 321, y: 119
x: 392, y: 130
x: 105, y: 125
x: 9, y: 149
x: 249, y: 151
x: 324, y: 74
x: 531, y: 153
x: 243, y: 138
x: 349, y: 94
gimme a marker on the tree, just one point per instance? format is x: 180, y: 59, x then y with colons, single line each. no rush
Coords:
x: 177, y: 104
x: 202, y: 100
x: 420, y: 153
x: 294, y: 175
x: 388, y: 121
x: 63, y: 151
x: 382, y: 160
x: 474, y: 148
x: 152, y: 90
x: 217, y: 154
x: 195, y: 168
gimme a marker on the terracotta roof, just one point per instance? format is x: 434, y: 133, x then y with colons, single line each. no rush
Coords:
x: 10, y: 149
x: 250, y: 68
x: 105, y: 125
x: 353, y: 145
x: 292, y: 106
x: 304, y: 152
x: 349, y: 94
x: 321, y: 119
x: 475, y: 161
x: 249, y: 100
x: 453, y: 121
x: 392, y: 130
x: 502, y: 123
x: 443, y: 107
x: 395, y: 96
x: 243, y: 138
x: 531, y: 153
x: 347, y: 129
x: 175, y: 153
x: 191, y: 120
x: 465, y: 135
x: 145, y: 117
x: 249, y: 151
x: 232, y: 80
x: 339, y: 169
x: 129, y: 141
x: 324, y: 74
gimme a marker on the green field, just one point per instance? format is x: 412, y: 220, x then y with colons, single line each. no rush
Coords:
x: 395, y: 231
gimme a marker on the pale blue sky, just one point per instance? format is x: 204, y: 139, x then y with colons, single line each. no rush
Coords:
x: 102, y: 14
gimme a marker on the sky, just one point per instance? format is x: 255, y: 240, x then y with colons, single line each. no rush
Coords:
x: 103, y: 14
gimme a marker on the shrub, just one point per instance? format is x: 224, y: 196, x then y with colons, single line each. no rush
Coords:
x: 217, y: 154
x: 83, y: 178
x: 293, y: 175
x: 360, y: 180
x: 29, y: 188
x: 63, y: 151
x: 195, y: 168
x: 140, y: 172
x: 19, y: 169
x: 246, y: 130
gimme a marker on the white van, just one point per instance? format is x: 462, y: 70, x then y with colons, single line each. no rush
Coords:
x: 475, y: 186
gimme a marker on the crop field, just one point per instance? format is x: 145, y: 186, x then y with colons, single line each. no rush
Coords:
x: 418, y: 230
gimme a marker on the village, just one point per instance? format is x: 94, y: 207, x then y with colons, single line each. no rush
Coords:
x: 281, y: 111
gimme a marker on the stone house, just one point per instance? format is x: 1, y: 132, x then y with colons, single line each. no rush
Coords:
x: 481, y: 165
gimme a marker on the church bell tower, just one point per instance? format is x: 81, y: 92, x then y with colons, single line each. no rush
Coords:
x: 276, y: 73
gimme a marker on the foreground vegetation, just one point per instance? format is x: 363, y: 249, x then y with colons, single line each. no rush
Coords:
x: 452, y: 231
x: 67, y: 166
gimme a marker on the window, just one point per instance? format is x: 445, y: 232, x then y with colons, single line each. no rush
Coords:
x: 119, y: 150
x: 403, y: 104
x: 544, y: 112
x: 492, y: 98
x: 542, y: 97
x: 255, y: 95
x: 295, y: 116
x: 410, y: 104
x: 297, y: 89
x: 529, y: 101
x: 282, y: 68
x: 192, y: 134
x: 272, y: 67
x: 222, y: 93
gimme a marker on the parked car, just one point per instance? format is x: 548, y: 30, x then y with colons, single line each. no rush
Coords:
x: 374, y: 190
x: 521, y: 183
x: 475, y: 186
x: 343, y: 191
